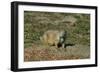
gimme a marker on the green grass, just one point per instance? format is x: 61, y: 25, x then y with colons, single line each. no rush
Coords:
x: 36, y: 23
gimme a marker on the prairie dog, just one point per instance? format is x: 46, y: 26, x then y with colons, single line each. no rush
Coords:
x: 54, y: 37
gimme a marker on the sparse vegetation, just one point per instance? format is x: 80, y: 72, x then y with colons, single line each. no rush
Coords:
x: 77, y: 39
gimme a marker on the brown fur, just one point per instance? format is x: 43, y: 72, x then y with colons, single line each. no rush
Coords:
x: 53, y: 37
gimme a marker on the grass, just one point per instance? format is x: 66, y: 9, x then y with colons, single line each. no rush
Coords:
x: 78, y: 33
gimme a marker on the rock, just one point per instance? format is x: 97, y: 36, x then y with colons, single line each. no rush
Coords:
x: 70, y: 20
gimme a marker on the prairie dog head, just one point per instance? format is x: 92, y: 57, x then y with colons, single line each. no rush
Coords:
x: 62, y: 36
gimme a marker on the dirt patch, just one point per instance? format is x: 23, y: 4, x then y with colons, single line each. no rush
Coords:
x: 45, y: 53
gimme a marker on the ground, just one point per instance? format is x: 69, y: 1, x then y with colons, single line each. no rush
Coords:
x: 77, y: 39
x: 40, y: 52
